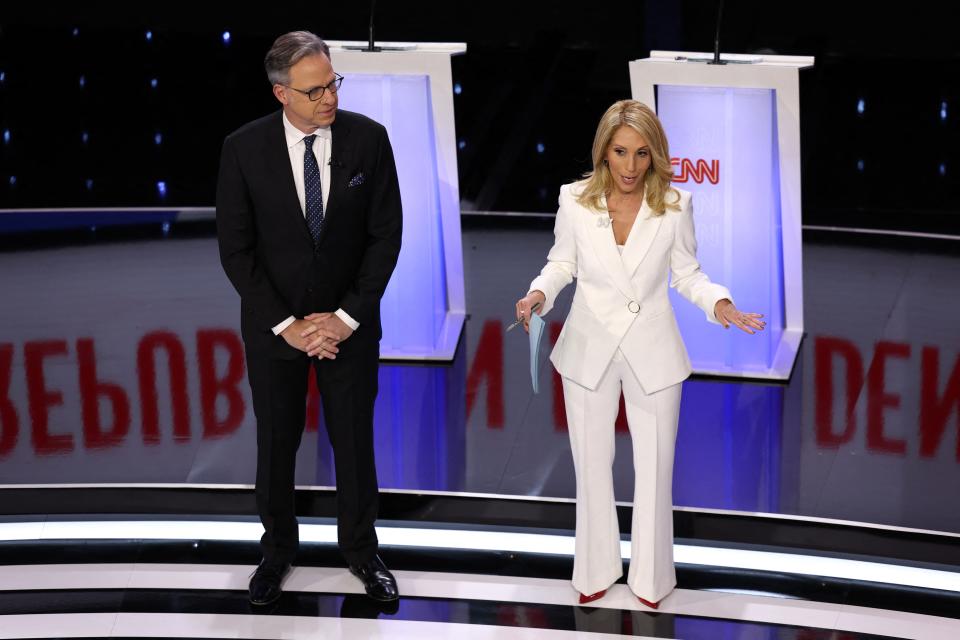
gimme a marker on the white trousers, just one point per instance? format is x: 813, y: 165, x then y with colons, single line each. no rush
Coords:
x: 652, y: 419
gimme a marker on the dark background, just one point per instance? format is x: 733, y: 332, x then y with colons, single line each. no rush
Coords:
x: 534, y: 74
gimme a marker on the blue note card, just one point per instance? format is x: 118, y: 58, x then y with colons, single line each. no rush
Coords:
x: 536, y: 332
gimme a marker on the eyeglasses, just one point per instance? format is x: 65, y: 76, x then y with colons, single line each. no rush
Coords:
x: 317, y: 92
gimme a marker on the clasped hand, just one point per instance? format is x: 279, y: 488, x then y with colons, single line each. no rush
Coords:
x: 318, y: 334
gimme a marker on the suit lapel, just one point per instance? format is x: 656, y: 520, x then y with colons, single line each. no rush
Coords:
x: 340, y: 166
x: 600, y: 232
x: 278, y: 158
x: 641, y: 237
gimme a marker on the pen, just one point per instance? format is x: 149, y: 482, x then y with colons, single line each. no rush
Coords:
x: 533, y: 308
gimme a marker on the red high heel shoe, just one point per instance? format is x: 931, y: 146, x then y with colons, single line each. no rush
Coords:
x: 652, y: 605
x: 596, y: 596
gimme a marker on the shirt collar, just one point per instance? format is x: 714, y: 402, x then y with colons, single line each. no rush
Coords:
x: 294, y: 136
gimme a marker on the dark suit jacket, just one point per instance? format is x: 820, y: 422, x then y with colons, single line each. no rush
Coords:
x: 265, y: 245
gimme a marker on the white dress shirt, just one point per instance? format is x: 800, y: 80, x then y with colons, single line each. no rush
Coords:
x: 322, y: 145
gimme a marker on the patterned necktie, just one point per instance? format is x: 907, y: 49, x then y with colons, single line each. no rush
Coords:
x: 313, y: 190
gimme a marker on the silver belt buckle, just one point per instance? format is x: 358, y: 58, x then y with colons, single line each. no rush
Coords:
x: 633, y: 306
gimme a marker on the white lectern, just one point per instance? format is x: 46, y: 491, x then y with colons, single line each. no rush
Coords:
x: 410, y: 91
x: 734, y: 133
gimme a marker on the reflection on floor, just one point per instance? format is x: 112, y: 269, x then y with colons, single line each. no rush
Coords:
x: 115, y: 587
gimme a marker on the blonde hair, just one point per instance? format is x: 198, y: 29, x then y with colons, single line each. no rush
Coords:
x: 599, y: 182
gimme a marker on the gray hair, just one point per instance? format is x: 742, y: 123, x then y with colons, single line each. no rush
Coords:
x: 288, y: 50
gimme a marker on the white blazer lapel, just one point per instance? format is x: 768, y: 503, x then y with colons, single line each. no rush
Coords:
x: 600, y: 231
x: 644, y: 230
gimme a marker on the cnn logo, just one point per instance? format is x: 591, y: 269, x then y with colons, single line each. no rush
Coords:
x: 696, y: 170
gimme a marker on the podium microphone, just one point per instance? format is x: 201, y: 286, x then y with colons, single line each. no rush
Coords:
x: 716, y: 39
x: 370, y: 45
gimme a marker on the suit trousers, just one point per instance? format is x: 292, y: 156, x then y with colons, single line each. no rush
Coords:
x: 652, y: 419
x: 348, y: 389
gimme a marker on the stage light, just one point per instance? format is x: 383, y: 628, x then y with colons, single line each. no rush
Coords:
x: 149, y: 35
x: 84, y: 137
x: 943, y: 109
x: 89, y: 184
x: 860, y: 106
x: 540, y: 147
x: 225, y: 37
x: 462, y: 144
x: 6, y: 136
x: 13, y: 181
x: 860, y: 165
x: 457, y: 89
x: 165, y: 228
x: 158, y: 138
x: 76, y: 32
x: 943, y: 169
x: 153, y: 83
x: 162, y: 189
x: 83, y: 81
x: 3, y: 76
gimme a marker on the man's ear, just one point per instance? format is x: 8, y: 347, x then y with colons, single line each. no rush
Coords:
x: 280, y: 92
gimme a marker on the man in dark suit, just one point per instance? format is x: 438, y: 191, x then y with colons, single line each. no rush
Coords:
x: 309, y: 224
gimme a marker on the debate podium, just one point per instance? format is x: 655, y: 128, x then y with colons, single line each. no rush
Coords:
x: 734, y: 132
x: 408, y: 87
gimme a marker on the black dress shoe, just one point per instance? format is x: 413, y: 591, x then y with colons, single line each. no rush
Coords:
x: 377, y: 579
x: 265, y: 583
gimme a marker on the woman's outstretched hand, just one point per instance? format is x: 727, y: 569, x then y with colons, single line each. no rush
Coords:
x: 728, y: 314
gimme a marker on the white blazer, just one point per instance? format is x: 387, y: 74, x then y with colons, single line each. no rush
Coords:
x: 621, y: 300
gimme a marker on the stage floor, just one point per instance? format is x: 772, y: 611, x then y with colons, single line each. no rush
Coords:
x: 121, y: 363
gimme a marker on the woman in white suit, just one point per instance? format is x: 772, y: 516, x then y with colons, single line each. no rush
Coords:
x: 622, y: 231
